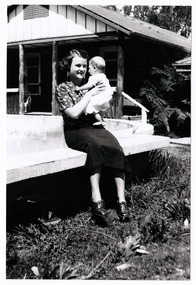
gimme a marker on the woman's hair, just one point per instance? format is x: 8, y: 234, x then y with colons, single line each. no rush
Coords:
x: 66, y: 61
x: 99, y: 62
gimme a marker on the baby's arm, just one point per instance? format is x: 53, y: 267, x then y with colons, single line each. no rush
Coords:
x: 86, y: 86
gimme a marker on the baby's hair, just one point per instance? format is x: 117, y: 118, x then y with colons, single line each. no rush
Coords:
x: 65, y: 63
x: 99, y: 62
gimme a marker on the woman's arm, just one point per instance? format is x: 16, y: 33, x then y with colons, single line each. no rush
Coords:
x: 75, y: 111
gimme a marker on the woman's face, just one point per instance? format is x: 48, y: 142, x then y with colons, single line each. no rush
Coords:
x: 78, y: 69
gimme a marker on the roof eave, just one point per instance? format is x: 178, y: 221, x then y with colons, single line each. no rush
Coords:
x: 132, y: 33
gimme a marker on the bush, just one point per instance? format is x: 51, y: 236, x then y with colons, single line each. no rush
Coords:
x: 167, y: 95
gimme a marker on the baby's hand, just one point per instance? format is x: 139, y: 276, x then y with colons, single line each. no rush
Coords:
x: 77, y: 88
x: 94, y: 91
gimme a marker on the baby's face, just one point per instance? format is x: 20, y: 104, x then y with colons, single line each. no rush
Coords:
x: 91, y: 69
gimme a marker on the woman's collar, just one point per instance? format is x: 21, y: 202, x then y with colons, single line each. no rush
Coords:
x: 71, y: 82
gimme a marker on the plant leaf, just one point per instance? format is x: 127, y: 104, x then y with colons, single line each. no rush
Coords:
x: 130, y: 244
x: 35, y: 270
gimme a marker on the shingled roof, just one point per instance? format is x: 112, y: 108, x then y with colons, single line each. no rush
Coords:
x: 136, y: 28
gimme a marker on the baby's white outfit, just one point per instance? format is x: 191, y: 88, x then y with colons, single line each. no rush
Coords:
x: 99, y: 102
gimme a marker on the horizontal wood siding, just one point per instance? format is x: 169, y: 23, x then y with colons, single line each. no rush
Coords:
x: 63, y: 20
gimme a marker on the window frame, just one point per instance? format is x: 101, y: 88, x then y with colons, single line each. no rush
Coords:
x: 103, y: 50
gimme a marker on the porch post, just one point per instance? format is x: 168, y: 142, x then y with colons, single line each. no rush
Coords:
x: 118, y: 112
x: 55, y: 109
x: 21, y: 79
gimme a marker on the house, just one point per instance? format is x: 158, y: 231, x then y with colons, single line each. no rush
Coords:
x: 40, y: 35
x: 183, y: 65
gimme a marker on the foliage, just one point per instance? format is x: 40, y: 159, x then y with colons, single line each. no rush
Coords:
x: 163, y: 93
x: 153, y: 245
x: 174, y: 18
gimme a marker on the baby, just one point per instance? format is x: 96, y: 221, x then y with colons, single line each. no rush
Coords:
x: 99, y: 102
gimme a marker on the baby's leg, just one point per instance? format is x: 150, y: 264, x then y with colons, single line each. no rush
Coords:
x: 100, y: 121
x: 98, y: 117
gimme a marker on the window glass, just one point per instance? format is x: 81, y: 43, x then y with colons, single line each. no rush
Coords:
x: 111, y: 69
x: 110, y: 54
x: 32, y: 74
x: 32, y: 61
x: 33, y: 89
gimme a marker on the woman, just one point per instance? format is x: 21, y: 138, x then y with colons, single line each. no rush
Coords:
x: 101, y: 146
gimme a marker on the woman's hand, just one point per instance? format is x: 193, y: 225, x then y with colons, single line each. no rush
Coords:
x: 75, y: 111
x: 94, y: 91
x: 101, y: 86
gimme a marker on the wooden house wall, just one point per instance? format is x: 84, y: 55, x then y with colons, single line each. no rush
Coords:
x: 13, y: 102
x: 63, y: 21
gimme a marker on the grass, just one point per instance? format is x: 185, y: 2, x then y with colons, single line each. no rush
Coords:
x: 154, y: 245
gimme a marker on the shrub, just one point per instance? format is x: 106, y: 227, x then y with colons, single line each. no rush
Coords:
x: 167, y: 95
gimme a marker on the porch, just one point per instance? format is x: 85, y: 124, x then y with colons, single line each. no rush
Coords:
x: 39, y: 36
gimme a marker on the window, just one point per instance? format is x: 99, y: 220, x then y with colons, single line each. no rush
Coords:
x: 110, y: 54
x: 32, y: 74
x: 35, y: 11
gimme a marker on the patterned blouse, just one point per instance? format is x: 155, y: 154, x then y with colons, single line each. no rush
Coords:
x: 66, y: 97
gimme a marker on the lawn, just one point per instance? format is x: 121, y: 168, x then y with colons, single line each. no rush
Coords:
x: 154, y: 245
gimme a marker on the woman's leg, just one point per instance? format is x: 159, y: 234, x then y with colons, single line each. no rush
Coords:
x: 98, y: 209
x: 122, y: 210
x: 119, y: 177
x: 94, y: 180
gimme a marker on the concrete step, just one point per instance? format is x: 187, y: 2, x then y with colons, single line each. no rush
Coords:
x: 181, y: 141
x: 29, y: 165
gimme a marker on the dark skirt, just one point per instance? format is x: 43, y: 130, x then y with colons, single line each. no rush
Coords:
x: 102, y: 148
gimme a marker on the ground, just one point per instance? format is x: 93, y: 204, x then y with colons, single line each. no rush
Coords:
x: 155, y: 245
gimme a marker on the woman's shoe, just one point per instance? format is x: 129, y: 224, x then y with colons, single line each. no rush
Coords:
x: 100, y: 215
x: 122, y: 211
x: 98, y: 209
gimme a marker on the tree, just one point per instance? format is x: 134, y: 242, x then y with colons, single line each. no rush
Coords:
x: 174, y: 18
